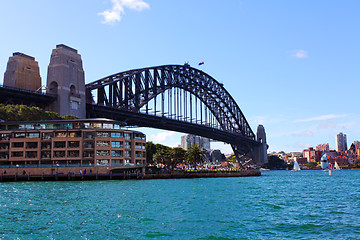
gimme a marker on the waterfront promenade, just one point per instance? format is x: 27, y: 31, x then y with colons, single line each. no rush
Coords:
x: 49, y: 174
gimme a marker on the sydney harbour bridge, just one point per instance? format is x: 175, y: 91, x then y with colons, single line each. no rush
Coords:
x: 170, y: 97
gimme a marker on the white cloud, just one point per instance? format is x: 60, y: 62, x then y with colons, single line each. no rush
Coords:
x: 299, y: 53
x: 322, y: 118
x: 118, y: 9
x: 300, y: 145
x: 161, y: 136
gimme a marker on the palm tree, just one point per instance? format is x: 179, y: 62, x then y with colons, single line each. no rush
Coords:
x: 195, y: 155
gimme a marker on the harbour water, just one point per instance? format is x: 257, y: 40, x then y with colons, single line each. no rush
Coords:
x: 277, y: 205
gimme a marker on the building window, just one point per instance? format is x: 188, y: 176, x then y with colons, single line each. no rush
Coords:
x: 73, y: 144
x: 46, y: 135
x: 127, y: 153
x: 59, y: 154
x: 102, y: 143
x: 88, y: 154
x: 108, y: 126
x: 4, y: 155
x: 139, y: 136
x: 116, y: 153
x: 4, y: 145
x: 127, y: 136
x: 19, y: 135
x: 102, y: 134
x: 45, y: 145
x: 60, y: 134
x: 102, y: 162
x: 31, y: 154
x: 89, y: 135
x: 138, y: 146
x: 4, y: 136
x: 31, y: 145
x: 59, y: 144
x: 102, y: 153
x: 17, y: 154
x: 117, y: 144
x: 88, y: 145
x: 45, y: 154
x: 73, y: 153
x: 34, y: 135
x: 95, y: 125
x: 74, y: 134
x: 116, y: 135
x: 17, y: 144
x: 127, y: 145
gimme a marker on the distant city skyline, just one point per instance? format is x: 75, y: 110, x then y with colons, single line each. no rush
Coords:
x: 292, y: 66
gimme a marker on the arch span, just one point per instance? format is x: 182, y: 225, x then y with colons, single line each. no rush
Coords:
x: 173, y: 97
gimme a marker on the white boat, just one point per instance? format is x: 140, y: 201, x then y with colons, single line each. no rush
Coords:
x: 324, y: 163
x: 264, y: 169
x: 296, y: 166
x: 336, y: 166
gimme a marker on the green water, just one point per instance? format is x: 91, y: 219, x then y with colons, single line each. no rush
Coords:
x: 277, y: 205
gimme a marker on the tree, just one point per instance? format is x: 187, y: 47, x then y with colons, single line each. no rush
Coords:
x: 26, y: 113
x: 179, y: 154
x: 150, y: 151
x: 195, y: 155
x: 357, y: 163
x: 275, y: 163
x: 163, y: 156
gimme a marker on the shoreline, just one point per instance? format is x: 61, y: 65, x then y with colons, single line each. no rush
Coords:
x: 126, y: 174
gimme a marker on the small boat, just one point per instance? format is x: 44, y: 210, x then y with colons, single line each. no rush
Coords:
x: 336, y: 166
x: 264, y: 169
x: 296, y: 166
x: 324, y: 163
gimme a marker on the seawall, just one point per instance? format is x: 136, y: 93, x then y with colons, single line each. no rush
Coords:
x: 104, y: 173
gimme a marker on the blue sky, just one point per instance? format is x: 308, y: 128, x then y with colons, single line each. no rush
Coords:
x: 292, y: 66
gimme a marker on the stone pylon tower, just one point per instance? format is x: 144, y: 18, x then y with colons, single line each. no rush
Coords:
x: 261, y: 151
x: 22, y: 72
x: 66, y: 79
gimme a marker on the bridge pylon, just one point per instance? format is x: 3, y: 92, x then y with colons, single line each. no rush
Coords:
x: 260, y: 154
x: 66, y: 80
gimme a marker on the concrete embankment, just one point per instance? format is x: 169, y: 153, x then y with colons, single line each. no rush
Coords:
x: 95, y: 174
x: 212, y: 174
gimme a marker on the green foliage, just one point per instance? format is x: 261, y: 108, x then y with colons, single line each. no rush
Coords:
x: 26, y: 113
x: 150, y: 151
x: 311, y: 165
x: 357, y: 163
x: 178, y: 154
x: 195, y: 155
x: 275, y: 163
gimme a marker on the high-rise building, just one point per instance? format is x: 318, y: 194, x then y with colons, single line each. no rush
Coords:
x: 189, y: 140
x: 341, y: 143
x: 323, y: 147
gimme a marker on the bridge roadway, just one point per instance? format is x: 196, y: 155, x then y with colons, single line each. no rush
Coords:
x: 11, y: 95
x: 144, y: 120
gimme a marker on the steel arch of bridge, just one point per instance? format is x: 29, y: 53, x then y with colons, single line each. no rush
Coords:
x: 127, y: 93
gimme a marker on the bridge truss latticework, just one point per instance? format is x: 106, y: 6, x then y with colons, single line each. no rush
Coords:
x: 175, y: 92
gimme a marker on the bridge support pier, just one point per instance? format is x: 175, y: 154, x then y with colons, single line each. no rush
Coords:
x: 260, y: 151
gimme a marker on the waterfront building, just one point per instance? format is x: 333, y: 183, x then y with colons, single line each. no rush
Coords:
x: 189, y: 140
x: 357, y: 148
x: 323, y: 147
x: 217, y: 156
x: 70, y: 143
x: 341, y: 142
